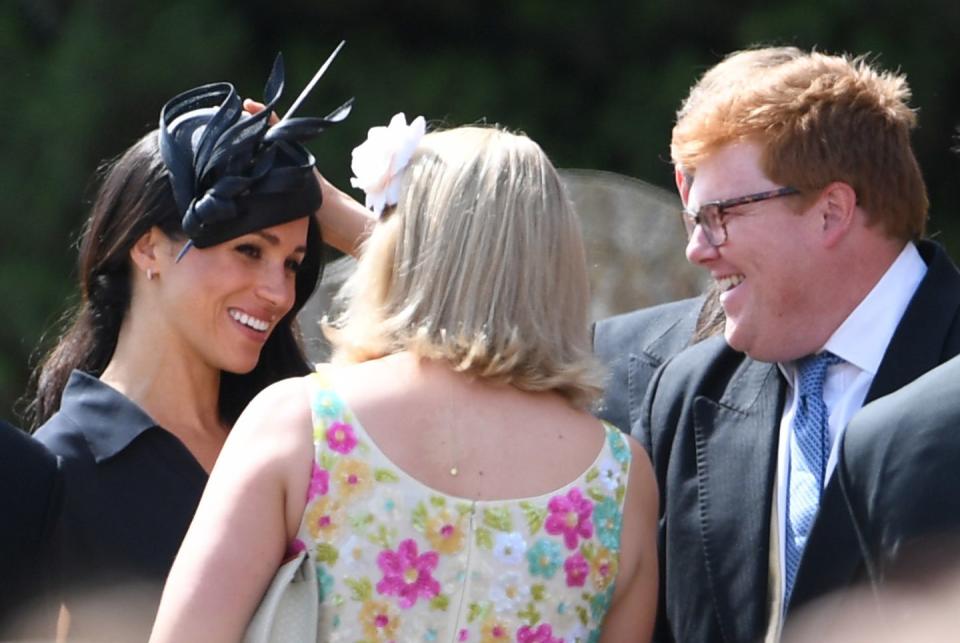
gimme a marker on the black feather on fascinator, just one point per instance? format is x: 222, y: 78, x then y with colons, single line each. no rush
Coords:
x: 233, y: 173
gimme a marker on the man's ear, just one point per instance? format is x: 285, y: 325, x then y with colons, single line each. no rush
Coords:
x: 836, y: 211
x: 684, y: 181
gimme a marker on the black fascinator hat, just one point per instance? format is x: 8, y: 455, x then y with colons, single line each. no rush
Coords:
x: 233, y: 173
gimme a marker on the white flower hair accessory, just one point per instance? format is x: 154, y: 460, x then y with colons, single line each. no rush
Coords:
x: 379, y: 161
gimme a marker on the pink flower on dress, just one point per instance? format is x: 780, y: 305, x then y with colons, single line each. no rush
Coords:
x: 294, y: 548
x: 319, y: 482
x: 463, y: 635
x: 570, y: 516
x: 543, y: 634
x: 341, y: 438
x: 577, y: 569
x: 407, y: 574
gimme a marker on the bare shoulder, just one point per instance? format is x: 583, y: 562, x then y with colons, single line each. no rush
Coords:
x: 277, y: 416
x: 383, y: 378
x: 287, y: 399
x: 634, y: 600
x: 639, y: 511
x: 642, y: 484
x: 633, y: 608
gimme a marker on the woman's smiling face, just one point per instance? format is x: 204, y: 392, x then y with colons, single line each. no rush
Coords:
x: 224, y: 301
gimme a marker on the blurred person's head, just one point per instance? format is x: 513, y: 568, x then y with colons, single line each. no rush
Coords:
x: 481, y: 265
x: 797, y: 174
x: 922, y: 609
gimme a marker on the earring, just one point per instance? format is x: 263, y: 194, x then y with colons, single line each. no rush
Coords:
x: 150, y: 274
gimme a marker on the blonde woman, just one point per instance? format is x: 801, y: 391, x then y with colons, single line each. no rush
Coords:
x: 444, y: 470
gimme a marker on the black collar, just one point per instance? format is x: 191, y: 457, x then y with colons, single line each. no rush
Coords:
x: 108, y: 419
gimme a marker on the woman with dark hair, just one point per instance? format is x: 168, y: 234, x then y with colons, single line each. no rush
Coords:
x: 199, y: 250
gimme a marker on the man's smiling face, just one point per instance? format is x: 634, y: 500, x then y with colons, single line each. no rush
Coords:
x: 768, y: 269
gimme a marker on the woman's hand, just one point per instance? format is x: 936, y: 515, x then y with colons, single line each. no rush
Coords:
x: 344, y: 222
x: 253, y: 107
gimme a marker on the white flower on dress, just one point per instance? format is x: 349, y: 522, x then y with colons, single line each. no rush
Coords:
x: 353, y: 555
x: 509, y: 548
x: 609, y: 473
x: 378, y: 162
x: 510, y: 592
x: 578, y: 634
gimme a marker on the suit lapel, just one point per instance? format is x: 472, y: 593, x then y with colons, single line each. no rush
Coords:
x: 736, y: 440
x: 644, y: 364
x: 674, y: 338
x: 918, y: 343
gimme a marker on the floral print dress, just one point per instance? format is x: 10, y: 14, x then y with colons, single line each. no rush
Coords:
x: 399, y: 561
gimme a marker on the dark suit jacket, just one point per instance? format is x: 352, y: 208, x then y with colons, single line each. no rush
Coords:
x: 29, y: 501
x: 711, y: 425
x: 633, y: 346
x: 899, y: 471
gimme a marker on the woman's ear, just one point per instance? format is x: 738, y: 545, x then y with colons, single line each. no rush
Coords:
x: 146, y: 252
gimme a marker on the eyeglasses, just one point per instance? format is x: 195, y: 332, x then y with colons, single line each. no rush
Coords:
x: 711, y: 218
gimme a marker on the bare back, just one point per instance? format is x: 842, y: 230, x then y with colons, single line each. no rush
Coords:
x: 465, y: 437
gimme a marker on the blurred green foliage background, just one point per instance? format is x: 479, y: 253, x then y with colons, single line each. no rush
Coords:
x: 596, y: 83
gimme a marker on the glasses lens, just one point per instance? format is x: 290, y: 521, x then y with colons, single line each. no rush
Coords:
x: 712, y: 225
x: 689, y: 222
x: 708, y: 218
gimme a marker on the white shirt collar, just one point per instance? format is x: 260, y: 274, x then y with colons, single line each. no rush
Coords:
x: 863, y: 337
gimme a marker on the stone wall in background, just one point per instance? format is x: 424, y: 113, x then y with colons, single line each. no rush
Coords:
x: 634, y: 241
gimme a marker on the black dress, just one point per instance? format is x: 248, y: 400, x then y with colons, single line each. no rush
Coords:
x: 130, y: 492
x: 29, y: 502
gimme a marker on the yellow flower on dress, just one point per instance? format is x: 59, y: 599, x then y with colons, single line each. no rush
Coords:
x: 352, y: 478
x: 494, y: 631
x: 379, y: 621
x: 603, y: 569
x: 324, y: 518
x: 445, y: 532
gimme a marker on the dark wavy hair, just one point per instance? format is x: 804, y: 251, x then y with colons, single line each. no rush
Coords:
x: 133, y: 197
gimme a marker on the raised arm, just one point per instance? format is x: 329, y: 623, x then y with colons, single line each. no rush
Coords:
x: 344, y: 222
x: 250, y: 510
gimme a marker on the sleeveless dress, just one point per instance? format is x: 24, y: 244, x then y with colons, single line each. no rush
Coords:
x: 399, y: 561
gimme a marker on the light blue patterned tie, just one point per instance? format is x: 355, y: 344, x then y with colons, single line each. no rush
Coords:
x: 809, y: 450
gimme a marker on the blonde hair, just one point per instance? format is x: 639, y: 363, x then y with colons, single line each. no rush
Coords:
x: 820, y: 118
x: 480, y: 265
